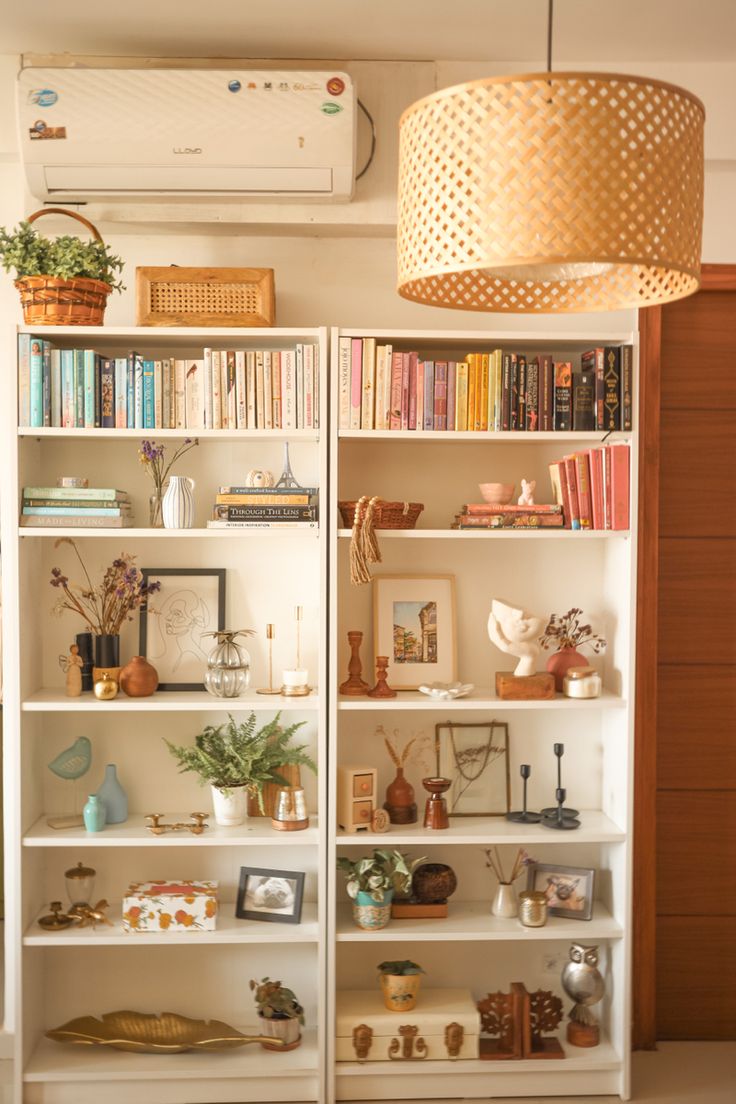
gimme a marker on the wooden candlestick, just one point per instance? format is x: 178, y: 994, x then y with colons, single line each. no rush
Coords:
x: 435, y: 811
x: 382, y: 688
x: 354, y: 685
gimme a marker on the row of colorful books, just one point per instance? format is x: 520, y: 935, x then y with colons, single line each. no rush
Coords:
x: 265, y: 508
x: 380, y: 387
x: 484, y: 515
x: 76, y: 508
x: 592, y: 487
x: 224, y: 389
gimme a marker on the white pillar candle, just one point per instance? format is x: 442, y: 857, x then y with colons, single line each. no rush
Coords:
x: 296, y: 677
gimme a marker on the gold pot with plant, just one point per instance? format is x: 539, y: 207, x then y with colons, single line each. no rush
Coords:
x: 400, y: 983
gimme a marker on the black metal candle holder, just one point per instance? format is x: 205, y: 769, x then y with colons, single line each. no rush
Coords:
x: 551, y: 810
x: 557, y: 819
x: 524, y: 816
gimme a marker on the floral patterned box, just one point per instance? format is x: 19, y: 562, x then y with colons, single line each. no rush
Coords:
x: 170, y: 906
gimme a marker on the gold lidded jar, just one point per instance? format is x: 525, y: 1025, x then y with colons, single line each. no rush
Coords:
x: 80, y: 883
x: 533, y: 908
x: 581, y: 682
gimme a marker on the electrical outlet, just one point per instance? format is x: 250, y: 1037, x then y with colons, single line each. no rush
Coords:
x: 552, y: 962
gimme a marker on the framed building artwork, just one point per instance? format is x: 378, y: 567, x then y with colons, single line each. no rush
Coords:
x: 414, y: 625
x: 174, y: 624
x: 475, y: 757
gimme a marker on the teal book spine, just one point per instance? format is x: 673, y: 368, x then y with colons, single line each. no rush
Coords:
x: 89, y: 388
x: 73, y: 511
x: 149, y: 396
x: 67, y: 388
x: 36, y: 378
x: 55, y: 387
x: 138, y: 382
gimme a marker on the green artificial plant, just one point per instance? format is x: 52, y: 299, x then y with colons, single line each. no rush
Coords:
x: 274, y: 1001
x: 399, y: 969
x: 31, y: 254
x: 378, y: 873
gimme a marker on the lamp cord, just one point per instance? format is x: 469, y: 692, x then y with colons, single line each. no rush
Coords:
x: 371, y: 155
x: 550, y: 15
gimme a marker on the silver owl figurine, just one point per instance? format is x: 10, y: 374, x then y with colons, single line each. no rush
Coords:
x: 583, y: 983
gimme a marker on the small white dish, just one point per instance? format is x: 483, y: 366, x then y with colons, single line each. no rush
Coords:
x: 447, y: 691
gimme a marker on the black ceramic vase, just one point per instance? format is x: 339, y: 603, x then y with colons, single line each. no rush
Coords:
x: 107, y: 650
x: 86, y: 654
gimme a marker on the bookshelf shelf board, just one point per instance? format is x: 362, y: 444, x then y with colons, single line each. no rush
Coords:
x: 471, y: 921
x: 52, y: 1062
x: 479, y: 699
x: 595, y: 827
x: 186, y: 701
x: 161, y: 534
x: 502, y: 436
x: 203, y: 435
x: 494, y: 534
x: 229, y: 930
x: 192, y: 335
x: 256, y: 832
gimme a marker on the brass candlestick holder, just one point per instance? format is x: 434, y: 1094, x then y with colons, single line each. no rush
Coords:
x: 270, y: 689
x: 295, y: 684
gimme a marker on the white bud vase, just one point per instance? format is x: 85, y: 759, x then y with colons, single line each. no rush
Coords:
x: 231, y: 806
x: 178, y: 503
x: 505, y: 903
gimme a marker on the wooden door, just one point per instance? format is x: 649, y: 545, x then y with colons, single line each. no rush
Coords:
x: 685, y: 891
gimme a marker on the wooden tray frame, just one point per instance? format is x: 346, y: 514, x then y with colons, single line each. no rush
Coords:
x: 261, y: 280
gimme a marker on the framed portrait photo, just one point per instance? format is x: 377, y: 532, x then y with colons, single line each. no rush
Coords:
x: 272, y: 895
x: 175, y: 620
x: 414, y: 625
x: 475, y: 757
x: 568, y: 889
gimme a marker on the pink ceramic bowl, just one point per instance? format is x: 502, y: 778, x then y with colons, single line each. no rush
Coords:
x: 499, y: 494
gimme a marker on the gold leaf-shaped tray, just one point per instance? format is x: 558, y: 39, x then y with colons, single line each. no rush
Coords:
x: 144, y: 1033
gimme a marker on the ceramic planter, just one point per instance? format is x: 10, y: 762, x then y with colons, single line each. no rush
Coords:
x: 177, y: 506
x: 559, y: 664
x: 400, y: 991
x: 281, y: 1027
x: 505, y: 903
x: 139, y: 678
x: 370, y: 914
x: 231, y: 806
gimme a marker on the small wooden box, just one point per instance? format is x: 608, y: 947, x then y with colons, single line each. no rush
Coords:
x: 204, y: 296
x: 356, y: 797
x: 444, y: 1025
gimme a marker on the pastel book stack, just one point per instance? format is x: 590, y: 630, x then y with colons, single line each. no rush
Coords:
x: 445, y: 1024
x: 591, y: 487
x: 265, y: 507
x: 76, y: 508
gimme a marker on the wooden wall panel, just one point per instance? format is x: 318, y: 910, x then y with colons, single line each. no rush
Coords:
x: 696, y: 847
x: 698, y: 341
x: 696, y: 728
x: 696, y: 965
x: 697, y: 478
x: 697, y: 602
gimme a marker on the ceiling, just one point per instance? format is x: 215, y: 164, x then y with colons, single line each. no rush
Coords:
x: 480, y: 30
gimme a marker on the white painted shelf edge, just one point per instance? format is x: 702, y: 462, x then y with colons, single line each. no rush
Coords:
x: 256, y: 831
x: 595, y: 827
x: 490, y: 534
x: 82, y: 532
x: 478, y: 699
x: 172, y: 701
x: 224, y: 436
x: 507, y: 436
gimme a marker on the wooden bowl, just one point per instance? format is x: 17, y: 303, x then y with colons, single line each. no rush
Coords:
x: 499, y: 494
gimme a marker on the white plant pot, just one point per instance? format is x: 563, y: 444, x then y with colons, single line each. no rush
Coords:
x: 289, y: 1031
x: 231, y: 806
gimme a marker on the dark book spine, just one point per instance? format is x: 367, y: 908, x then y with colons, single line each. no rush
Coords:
x: 562, y: 396
x: 532, y: 394
x: 592, y: 363
x: 506, y: 391
x: 583, y: 401
x: 98, y: 391
x: 546, y: 385
x: 46, y: 382
x: 521, y: 394
x: 612, y: 378
x: 627, y: 383
x: 107, y: 389
x: 514, y: 393
x: 266, y: 513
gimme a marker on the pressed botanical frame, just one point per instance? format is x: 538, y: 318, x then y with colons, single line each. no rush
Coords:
x: 414, y: 625
x: 477, y: 766
x: 272, y: 895
x: 569, y: 889
x: 172, y: 629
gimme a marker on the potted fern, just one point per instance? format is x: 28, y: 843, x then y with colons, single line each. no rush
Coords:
x: 280, y: 1013
x: 236, y: 759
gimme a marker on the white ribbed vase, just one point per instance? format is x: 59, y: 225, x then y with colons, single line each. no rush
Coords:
x: 178, y: 503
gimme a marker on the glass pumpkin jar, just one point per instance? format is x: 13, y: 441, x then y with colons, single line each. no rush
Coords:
x: 228, y: 665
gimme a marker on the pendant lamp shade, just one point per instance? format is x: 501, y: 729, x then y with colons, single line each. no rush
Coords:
x: 551, y: 192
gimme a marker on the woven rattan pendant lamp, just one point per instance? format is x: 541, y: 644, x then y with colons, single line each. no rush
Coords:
x: 551, y: 192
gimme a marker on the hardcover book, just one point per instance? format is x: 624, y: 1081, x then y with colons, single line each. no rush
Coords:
x: 276, y: 390
x: 521, y: 392
x: 396, y: 379
x: 583, y: 401
x: 592, y: 361
x: 546, y: 394
x: 356, y: 381
x: 24, y: 379
x: 368, y: 404
x: 611, y: 388
x: 451, y: 394
x: 532, y: 395
x: 344, y: 363
x: 563, y: 395
x: 461, y: 395
x: 627, y: 384
x: 107, y: 386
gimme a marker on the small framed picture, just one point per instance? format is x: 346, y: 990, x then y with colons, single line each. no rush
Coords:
x: 274, y: 895
x: 568, y: 889
x: 176, y: 619
x: 414, y: 625
x: 475, y: 757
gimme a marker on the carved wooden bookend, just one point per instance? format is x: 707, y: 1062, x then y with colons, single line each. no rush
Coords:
x: 382, y: 688
x: 354, y: 684
x: 511, y: 687
x: 517, y: 1022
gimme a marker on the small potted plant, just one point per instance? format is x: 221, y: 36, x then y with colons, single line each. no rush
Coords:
x: 372, y: 882
x: 566, y: 634
x: 400, y: 983
x: 62, y: 282
x: 281, y: 1014
x: 235, y: 759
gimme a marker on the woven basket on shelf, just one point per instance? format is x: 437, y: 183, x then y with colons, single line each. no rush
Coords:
x: 387, y: 515
x: 51, y: 301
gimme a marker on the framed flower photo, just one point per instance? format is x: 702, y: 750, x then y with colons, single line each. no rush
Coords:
x: 568, y: 889
x: 414, y: 625
x: 475, y: 757
x: 272, y: 895
x: 174, y: 622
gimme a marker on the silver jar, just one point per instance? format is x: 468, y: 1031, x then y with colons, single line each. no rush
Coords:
x: 228, y: 665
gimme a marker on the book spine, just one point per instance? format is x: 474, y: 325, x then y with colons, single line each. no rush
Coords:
x: 300, y: 386
x: 562, y: 397
x: 88, y: 494
x: 55, y: 386
x: 149, y: 397
x: 262, y: 525
x: 36, y: 382
x: 583, y: 401
x: 472, y: 382
x: 79, y: 521
x: 521, y: 393
x: 24, y: 379
x: 416, y: 370
x: 73, y: 511
x: 440, y: 395
x: 344, y: 368
x: 266, y: 513
x: 591, y: 364
x: 461, y: 395
x: 514, y: 393
x: 88, y: 377
x: 481, y: 509
x: 356, y: 381
x: 558, y: 478
x: 506, y: 391
x: 451, y: 394
x: 627, y: 384
x: 79, y: 388
x: 166, y: 420
x: 180, y: 409
x: 532, y: 395
x: 368, y: 406
x: 46, y: 382
x: 619, y: 483
x: 607, y: 511
x: 405, y: 373
x: 499, y: 387
x: 158, y: 394
x: 381, y: 368
x: 276, y: 387
x: 98, y: 389
x: 224, y: 405
x: 428, y: 404
x: 612, y: 388
x: 396, y: 371
x: 500, y: 521
x: 387, y: 386
x: 596, y: 487
x: 309, y: 387
x: 288, y: 388
x: 207, y: 396
x: 250, y: 387
x: 259, y: 493
x: 241, y: 391
x: 295, y: 499
x: 582, y: 473
x: 130, y: 390
x: 546, y: 385
x: 571, y: 474
x: 267, y: 390
x: 195, y: 394
x: 260, y: 393
x: 216, y: 388
x: 232, y: 403
x: 107, y: 386
x: 80, y: 504
x: 482, y: 417
x: 67, y: 388
x: 121, y: 388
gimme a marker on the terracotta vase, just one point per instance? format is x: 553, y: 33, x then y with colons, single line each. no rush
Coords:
x: 400, y: 804
x: 139, y: 678
x: 559, y: 663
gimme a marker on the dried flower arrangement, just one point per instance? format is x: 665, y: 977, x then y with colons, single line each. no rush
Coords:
x: 565, y: 631
x: 107, y: 605
x: 398, y: 758
x: 152, y: 456
x: 521, y: 862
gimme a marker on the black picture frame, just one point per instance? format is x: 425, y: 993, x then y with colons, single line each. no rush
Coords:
x: 163, y: 666
x: 246, y: 909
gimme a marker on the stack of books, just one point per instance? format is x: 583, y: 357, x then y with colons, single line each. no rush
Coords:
x: 265, y: 508
x: 485, y: 515
x: 76, y: 508
x: 592, y: 486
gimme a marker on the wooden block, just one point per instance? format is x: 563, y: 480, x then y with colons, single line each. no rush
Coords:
x: 417, y: 910
x: 511, y: 687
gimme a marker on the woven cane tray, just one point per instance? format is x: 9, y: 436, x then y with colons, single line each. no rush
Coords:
x: 387, y: 515
x: 204, y: 296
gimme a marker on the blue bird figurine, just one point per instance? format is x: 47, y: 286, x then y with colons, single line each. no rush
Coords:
x: 74, y: 762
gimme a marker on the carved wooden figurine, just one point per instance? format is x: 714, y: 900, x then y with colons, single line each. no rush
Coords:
x: 72, y: 665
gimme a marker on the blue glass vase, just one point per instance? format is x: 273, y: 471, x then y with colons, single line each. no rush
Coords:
x: 94, y: 814
x: 113, y: 796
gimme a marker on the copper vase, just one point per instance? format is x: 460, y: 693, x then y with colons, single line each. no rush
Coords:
x: 400, y: 804
x: 139, y: 678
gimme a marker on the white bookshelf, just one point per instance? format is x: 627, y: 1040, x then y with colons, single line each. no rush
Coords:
x: 55, y: 976
x: 544, y: 572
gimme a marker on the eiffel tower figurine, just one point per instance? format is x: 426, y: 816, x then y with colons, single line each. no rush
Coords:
x: 287, y: 478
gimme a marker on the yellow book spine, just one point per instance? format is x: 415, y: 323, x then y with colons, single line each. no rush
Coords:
x: 484, y: 390
x: 461, y: 395
x: 471, y: 358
